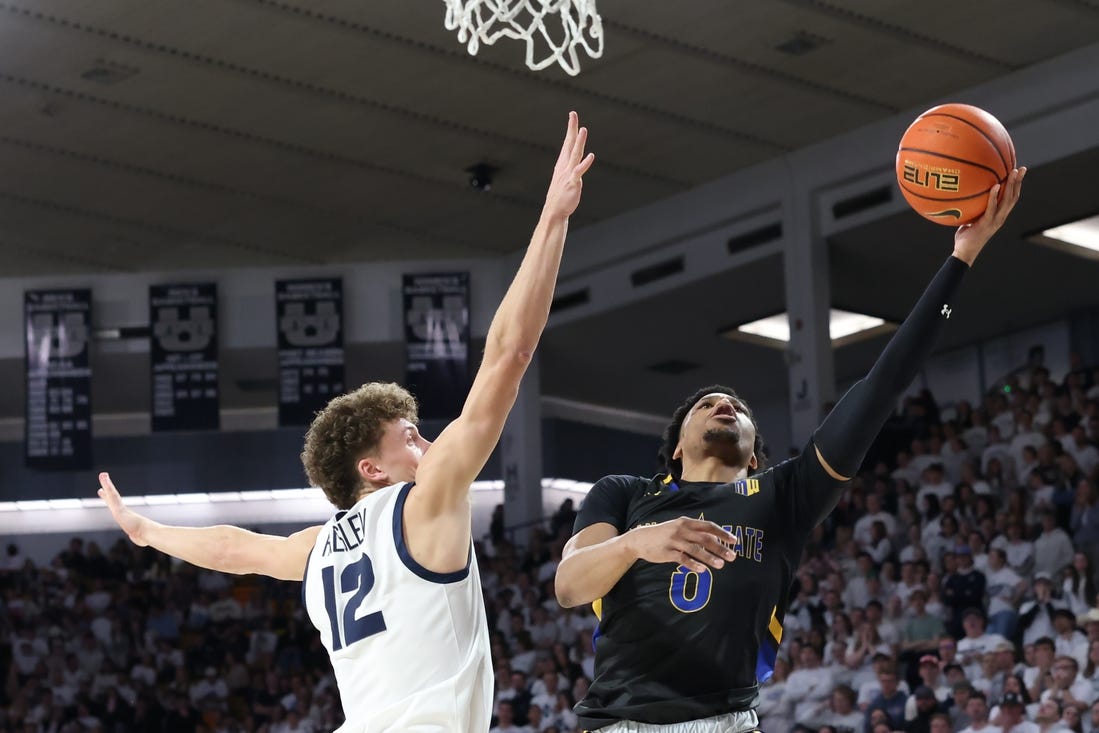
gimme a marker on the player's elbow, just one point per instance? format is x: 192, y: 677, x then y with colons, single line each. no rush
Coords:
x: 565, y: 599
x: 565, y: 587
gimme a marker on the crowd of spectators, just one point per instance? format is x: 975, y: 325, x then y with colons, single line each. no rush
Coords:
x: 953, y: 589
x: 130, y: 640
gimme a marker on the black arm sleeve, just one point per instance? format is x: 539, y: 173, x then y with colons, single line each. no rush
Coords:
x: 847, y: 433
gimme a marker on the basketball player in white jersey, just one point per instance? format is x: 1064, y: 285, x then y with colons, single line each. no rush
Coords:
x: 390, y: 581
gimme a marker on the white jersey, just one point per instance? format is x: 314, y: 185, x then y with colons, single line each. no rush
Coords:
x: 409, y: 647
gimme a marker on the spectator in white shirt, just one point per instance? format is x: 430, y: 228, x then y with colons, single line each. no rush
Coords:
x: 547, y: 700
x: 1078, y: 586
x: 563, y: 718
x: 1011, y: 718
x: 1025, y: 435
x: 1018, y: 550
x: 934, y: 481
x: 1067, y: 640
x: 1086, y: 454
x: 1053, y: 548
x: 976, y: 643
x: 997, y: 449
x: 1048, y: 716
x: 1068, y: 688
x: 1005, y: 589
x: 1027, y: 463
x: 977, y: 710
x: 874, y: 513
x: 210, y: 692
x: 842, y: 713
x: 773, y: 709
x: 879, y: 547
x: 1038, y: 677
x: 505, y: 720
x: 905, y: 471
x: 807, y: 686
x: 921, y: 459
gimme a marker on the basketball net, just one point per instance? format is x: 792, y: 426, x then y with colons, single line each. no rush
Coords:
x: 572, y: 24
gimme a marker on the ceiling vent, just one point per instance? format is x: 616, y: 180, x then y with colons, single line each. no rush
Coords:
x: 659, y: 271
x: 802, y: 43
x: 570, y: 300
x: 754, y: 238
x: 108, y: 73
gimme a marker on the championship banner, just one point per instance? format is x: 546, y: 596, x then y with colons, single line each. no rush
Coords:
x: 58, y: 429
x: 184, y: 355
x: 309, y: 314
x: 436, y: 318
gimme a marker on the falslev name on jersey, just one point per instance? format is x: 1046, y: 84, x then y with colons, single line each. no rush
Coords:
x: 346, y: 534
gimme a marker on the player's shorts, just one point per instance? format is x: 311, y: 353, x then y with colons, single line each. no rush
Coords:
x: 742, y: 722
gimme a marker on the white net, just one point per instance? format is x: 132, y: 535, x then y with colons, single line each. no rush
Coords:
x: 554, y: 30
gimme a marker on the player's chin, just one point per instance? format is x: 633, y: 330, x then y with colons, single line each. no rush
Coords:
x: 722, y: 434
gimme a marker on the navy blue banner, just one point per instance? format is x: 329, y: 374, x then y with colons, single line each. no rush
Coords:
x: 436, y: 318
x: 58, y: 428
x: 183, y: 348
x: 309, y: 314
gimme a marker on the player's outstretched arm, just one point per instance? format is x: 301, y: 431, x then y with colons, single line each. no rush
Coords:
x: 846, y: 434
x: 458, y: 455
x: 223, y: 548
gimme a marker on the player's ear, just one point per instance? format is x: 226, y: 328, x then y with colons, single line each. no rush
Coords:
x: 677, y: 454
x: 753, y: 463
x: 370, y: 471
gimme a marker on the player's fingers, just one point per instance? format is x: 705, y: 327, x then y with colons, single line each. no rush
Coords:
x: 717, y: 544
x: 577, y: 152
x: 107, y: 489
x: 690, y: 563
x: 700, y: 551
x: 708, y: 527
x: 1014, y: 188
x: 1007, y: 200
x: 570, y: 136
x: 583, y: 166
x: 989, y: 217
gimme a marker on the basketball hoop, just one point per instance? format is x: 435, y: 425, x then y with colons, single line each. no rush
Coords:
x: 486, y: 21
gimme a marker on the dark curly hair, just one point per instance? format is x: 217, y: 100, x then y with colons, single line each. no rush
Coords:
x: 674, y: 466
x: 348, y: 428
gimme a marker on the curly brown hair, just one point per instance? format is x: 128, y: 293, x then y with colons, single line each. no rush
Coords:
x: 348, y: 428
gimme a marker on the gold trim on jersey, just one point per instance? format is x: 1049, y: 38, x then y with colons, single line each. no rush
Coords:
x: 775, y: 626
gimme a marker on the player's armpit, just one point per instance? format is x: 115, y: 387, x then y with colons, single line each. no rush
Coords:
x: 827, y: 468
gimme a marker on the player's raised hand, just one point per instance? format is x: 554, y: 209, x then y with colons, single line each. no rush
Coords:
x: 132, y: 523
x: 970, y: 239
x: 564, y: 190
x: 693, y: 543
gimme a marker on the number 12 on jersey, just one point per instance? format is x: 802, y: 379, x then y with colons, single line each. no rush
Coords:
x: 358, y: 579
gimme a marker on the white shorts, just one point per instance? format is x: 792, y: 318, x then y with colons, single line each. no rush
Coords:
x: 741, y: 722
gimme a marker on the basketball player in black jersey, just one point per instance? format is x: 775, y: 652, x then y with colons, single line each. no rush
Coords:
x: 686, y: 635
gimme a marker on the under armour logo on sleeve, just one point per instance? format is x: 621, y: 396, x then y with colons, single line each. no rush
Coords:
x: 946, y: 311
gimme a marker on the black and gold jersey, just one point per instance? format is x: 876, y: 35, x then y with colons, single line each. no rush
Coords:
x: 675, y: 645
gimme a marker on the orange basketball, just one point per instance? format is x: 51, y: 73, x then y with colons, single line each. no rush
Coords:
x: 948, y: 160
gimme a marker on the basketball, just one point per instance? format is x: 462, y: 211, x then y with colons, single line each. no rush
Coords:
x: 949, y: 159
